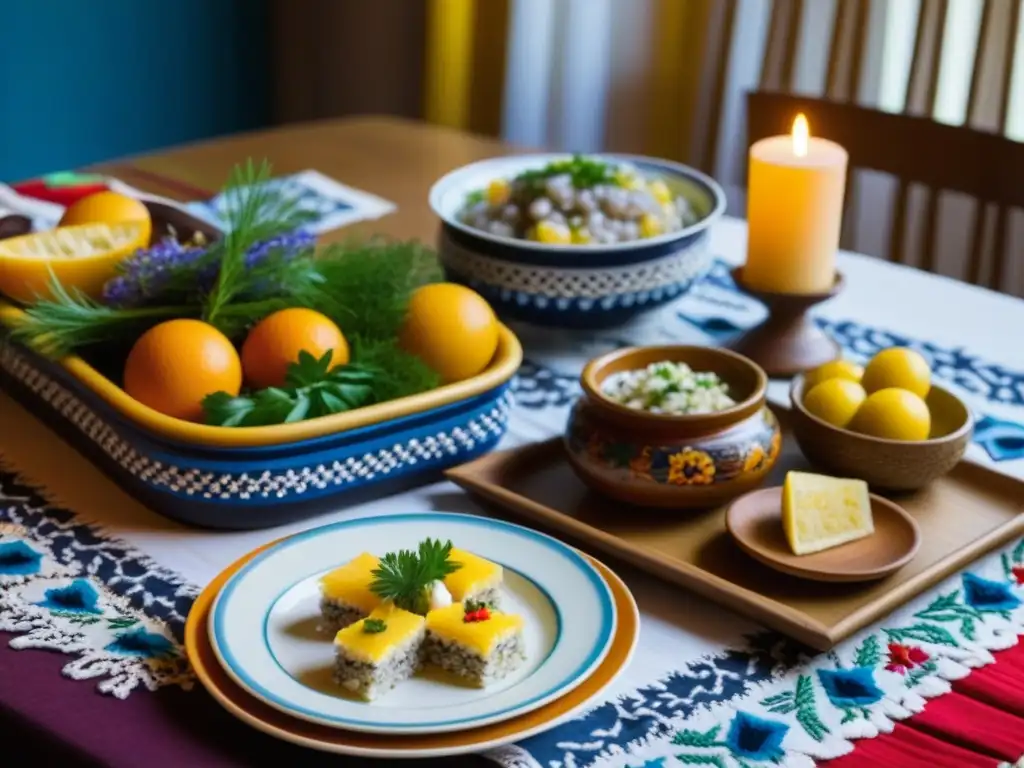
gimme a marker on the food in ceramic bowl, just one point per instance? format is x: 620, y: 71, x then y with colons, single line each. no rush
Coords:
x: 580, y: 201
x: 571, y: 241
x: 676, y: 426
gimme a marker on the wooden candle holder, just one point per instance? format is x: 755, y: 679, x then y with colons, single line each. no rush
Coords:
x: 788, y: 341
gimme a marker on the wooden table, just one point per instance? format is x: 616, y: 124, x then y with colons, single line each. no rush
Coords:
x: 394, y: 158
x: 399, y: 161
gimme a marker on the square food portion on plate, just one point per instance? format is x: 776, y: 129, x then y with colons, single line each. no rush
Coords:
x: 477, y: 580
x: 474, y: 642
x: 374, y: 654
x: 345, y: 594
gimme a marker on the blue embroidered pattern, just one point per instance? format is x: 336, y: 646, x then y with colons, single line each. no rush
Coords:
x: 648, y: 712
x: 18, y: 559
x: 146, y: 586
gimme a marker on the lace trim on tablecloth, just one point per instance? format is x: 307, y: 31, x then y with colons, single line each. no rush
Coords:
x: 69, y: 587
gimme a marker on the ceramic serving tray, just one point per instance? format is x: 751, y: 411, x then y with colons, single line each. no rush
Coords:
x: 255, y: 477
x: 961, y: 516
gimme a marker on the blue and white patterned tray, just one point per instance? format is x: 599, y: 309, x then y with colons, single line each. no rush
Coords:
x: 252, y: 486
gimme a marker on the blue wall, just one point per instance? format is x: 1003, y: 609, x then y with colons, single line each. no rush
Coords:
x: 89, y: 80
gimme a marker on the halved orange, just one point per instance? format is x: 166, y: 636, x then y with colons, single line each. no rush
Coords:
x: 82, y: 257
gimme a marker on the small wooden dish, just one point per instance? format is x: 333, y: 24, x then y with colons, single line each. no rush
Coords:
x: 755, y: 523
x: 888, y: 465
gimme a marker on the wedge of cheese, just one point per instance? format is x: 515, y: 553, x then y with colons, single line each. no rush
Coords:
x: 821, y: 512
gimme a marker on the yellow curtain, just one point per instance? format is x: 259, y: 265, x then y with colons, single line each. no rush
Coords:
x: 467, y: 41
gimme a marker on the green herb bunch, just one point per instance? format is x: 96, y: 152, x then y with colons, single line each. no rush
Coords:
x: 404, y: 577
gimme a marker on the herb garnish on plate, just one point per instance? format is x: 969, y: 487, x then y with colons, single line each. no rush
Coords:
x: 404, y: 576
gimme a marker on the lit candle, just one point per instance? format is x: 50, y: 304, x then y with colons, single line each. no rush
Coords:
x: 794, y: 212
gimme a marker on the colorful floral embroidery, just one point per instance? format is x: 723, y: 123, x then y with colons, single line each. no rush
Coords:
x: 749, y: 738
x: 691, y: 467
x: 903, y: 658
x: 988, y: 595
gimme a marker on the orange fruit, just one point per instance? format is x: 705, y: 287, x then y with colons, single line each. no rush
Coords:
x: 174, y: 365
x: 275, y: 341
x: 450, y: 328
x: 108, y: 208
x: 898, y: 367
x: 83, y: 256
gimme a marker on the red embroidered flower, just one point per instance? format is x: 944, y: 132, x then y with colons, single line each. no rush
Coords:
x: 1018, y: 573
x: 904, y: 657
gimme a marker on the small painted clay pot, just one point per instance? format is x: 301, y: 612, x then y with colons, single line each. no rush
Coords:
x: 685, y: 462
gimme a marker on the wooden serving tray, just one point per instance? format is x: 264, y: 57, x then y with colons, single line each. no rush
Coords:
x: 963, y: 515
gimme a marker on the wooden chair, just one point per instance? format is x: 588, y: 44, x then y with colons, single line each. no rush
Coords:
x: 974, y: 160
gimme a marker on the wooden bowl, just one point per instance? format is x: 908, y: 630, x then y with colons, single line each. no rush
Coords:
x: 683, y: 462
x: 891, y: 465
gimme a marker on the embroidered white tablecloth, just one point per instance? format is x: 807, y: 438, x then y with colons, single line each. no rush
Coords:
x: 967, y: 333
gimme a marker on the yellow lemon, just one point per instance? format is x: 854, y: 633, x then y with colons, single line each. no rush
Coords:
x: 835, y: 369
x: 898, y: 367
x: 893, y: 414
x: 835, y: 401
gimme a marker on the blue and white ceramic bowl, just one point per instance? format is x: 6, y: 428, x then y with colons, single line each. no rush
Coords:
x: 575, y: 286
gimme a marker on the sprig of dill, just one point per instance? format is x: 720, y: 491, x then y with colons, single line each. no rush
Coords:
x: 255, y: 212
x: 403, y: 576
x: 69, y: 320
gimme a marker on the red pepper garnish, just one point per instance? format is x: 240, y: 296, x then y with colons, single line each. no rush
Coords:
x: 480, y: 614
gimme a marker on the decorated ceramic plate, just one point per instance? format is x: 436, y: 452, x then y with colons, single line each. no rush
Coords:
x: 313, y: 735
x: 265, y: 625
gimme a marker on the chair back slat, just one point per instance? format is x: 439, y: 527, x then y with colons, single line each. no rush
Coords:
x: 780, y: 51
x: 722, y: 23
x: 923, y: 83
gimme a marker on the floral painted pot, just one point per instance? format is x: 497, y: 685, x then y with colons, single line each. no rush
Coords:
x: 684, y: 462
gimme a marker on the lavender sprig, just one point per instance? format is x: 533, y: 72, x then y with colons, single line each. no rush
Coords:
x: 170, y: 267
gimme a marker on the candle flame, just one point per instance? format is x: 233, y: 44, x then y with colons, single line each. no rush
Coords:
x: 801, y: 135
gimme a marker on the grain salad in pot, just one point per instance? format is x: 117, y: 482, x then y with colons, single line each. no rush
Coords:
x: 671, y: 389
x: 582, y: 201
